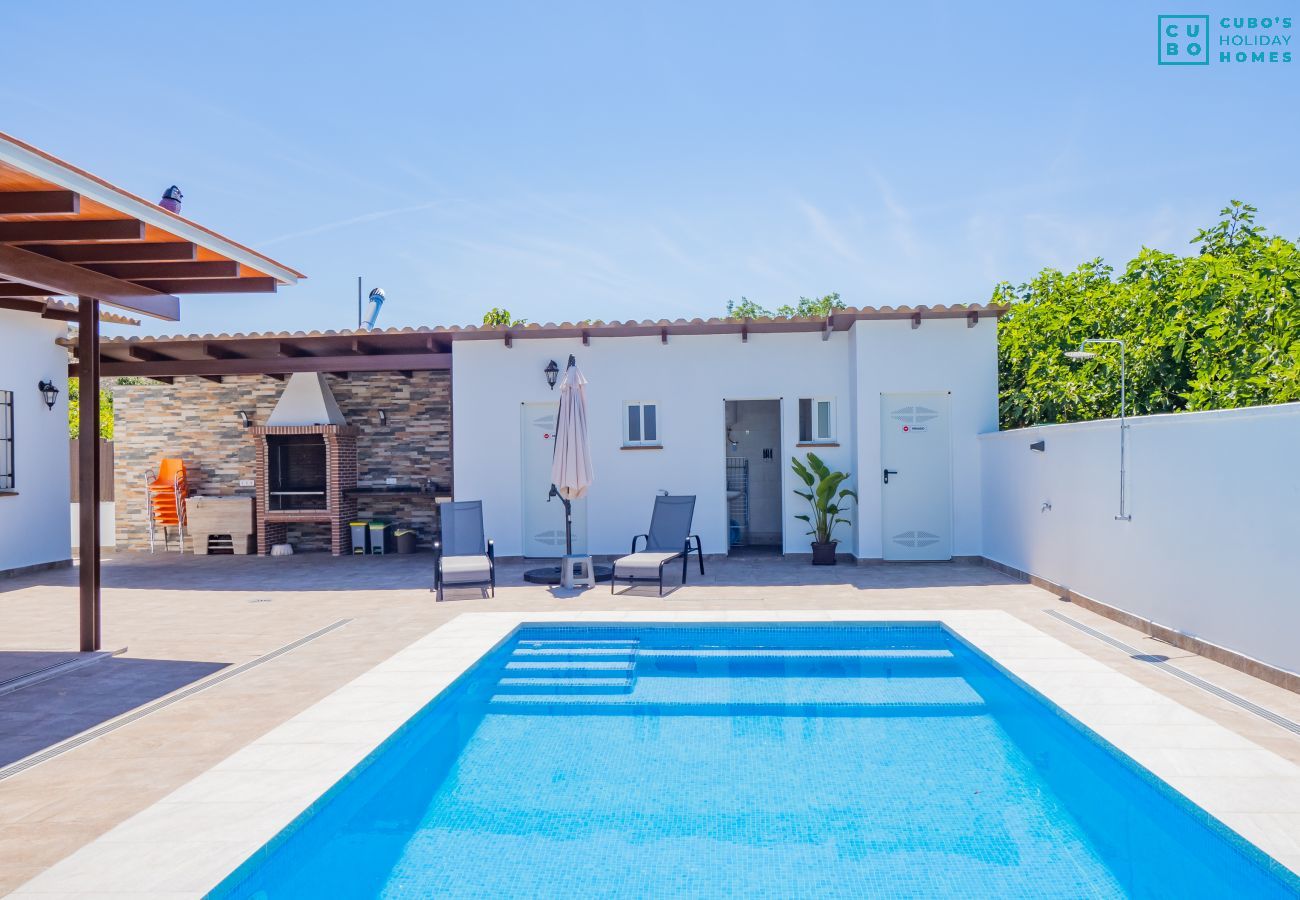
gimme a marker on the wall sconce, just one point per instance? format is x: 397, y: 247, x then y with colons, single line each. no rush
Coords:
x: 49, y: 393
x: 552, y: 371
x: 383, y: 417
x: 243, y: 417
x: 1040, y: 446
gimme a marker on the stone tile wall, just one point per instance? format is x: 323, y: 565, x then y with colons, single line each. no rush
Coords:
x: 197, y: 420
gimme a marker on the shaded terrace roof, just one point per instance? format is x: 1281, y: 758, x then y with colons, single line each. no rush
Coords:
x: 413, y: 349
x: 62, y: 227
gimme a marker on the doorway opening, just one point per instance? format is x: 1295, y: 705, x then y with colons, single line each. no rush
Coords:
x: 753, y: 455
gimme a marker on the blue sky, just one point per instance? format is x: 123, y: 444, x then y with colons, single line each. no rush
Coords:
x: 651, y: 160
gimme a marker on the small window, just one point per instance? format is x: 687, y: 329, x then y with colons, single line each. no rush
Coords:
x: 641, y: 424
x: 6, y: 440
x: 817, y: 420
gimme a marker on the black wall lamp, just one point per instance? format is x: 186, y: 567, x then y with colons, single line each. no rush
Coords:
x: 243, y: 417
x: 383, y: 417
x: 49, y: 393
x: 552, y: 371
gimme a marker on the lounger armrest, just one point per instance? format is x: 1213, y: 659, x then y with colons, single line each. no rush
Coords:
x: 634, y: 537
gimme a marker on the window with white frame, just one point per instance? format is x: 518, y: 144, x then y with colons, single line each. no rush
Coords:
x: 817, y: 420
x: 6, y: 440
x: 641, y: 424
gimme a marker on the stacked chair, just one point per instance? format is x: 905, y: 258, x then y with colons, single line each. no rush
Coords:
x: 167, y: 491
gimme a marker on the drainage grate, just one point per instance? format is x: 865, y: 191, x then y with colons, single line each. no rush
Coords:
x: 1160, y: 663
x: 226, y: 674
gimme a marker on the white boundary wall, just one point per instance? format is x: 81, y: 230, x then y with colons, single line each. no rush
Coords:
x: 690, y: 377
x: 1213, y: 548
x: 34, y: 521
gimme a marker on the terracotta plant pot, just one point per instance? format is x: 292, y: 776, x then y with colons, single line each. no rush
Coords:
x: 824, y: 554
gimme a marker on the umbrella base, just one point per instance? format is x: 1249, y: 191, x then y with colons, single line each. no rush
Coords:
x: 551, y: 574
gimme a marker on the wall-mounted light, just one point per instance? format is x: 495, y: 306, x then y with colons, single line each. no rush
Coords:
x: 49, y: 393
x: 383, y: 417
x: 552, y: 371
x: 1040, y: 446
x: 243, y: 417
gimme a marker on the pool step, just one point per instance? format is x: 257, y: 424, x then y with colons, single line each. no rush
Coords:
x: 570, y: 667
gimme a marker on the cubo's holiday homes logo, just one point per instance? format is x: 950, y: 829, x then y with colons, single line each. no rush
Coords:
x: 1186, y: 40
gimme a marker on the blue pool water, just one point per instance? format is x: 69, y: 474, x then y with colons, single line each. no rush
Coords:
x: 838, y: 760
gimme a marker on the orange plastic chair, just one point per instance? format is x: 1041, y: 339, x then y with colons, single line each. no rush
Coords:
x: 167, y: 492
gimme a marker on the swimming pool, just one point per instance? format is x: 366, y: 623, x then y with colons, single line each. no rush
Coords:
x: 771, y: 760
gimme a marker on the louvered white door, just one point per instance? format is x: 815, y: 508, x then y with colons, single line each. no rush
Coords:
x: 916, y: 489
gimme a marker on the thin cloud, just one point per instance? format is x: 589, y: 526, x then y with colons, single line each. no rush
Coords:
x: 345, y: 223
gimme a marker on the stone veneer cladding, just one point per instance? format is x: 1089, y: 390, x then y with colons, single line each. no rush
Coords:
x: 196, y: 420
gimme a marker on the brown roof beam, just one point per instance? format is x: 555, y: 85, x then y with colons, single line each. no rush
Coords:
x: 163, y: 251
x: 23, y: 305
x: 395, y: 362
x: 17, y: 264
x: 216, y: 351
x: 39, y: 203
x: 140, y: 271
x: 145, y: 354
x: 76, y: 230
x: 211, y: 285
x: 293, y: 351
x: 13, y: 289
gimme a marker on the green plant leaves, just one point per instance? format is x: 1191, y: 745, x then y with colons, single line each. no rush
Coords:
x: 1217, y: 329
x: 827, y: 505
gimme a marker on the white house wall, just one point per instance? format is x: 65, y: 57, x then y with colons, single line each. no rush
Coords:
x: 690, y: 378
x: 34, y: 521
x: 942, y: 355
x: 1211, y: 548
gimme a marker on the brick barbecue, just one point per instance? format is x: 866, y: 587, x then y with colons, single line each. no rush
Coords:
x: 337, y: 505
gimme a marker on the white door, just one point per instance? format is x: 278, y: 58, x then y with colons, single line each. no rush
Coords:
x: 916, y: 493
x: 544, y: 521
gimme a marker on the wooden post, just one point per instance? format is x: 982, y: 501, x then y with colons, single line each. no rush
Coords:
x: 89, y: 477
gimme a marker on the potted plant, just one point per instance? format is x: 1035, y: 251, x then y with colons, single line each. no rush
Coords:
x: 828, y: 502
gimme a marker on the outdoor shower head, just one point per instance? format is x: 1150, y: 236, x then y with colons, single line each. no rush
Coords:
x: 1080, y: 354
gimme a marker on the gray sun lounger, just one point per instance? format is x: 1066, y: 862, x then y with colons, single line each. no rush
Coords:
x: 463, y: 557
x: 669, y: 538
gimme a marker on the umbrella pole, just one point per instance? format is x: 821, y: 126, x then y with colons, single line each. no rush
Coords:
x: 568, y: 526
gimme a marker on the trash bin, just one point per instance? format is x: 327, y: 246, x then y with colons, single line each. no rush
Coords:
x: 405, y: 538
x: 380, y: 532
x: 360, y: 537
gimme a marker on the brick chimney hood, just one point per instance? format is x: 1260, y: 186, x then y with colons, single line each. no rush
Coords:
x: 307, y: 400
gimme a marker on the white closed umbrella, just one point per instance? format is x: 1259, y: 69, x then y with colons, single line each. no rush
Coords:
x: 571, y: 465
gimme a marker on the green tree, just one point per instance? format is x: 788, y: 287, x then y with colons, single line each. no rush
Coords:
x: 747, y: 309
x: 1214, y: 330
x: 814, y: 307
x: 498, y: 316
x: 105, y: 405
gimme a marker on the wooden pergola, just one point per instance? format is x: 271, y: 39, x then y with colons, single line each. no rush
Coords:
x: 65, y: 232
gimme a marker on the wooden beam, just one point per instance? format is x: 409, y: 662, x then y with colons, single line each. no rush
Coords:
x: 393, y: 362
x: 25, y: 305
x: 663, y: 335
x: 972, y: 318
x: 74, y: 230
x: 509, y: 343
x: 58, y: 277
x: 828, y: 327
x: 744, y: 333
x: 88, y: 473
x: 147, y: 354
x: 134, y: 271
x: 163, y: 251
x: 211, y: 285
x: 38, y: 203
x: 10, y: 289
x: 586, y: 338
x: 284, y: 348
x: 916, y: 320
x: 215, y: 351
